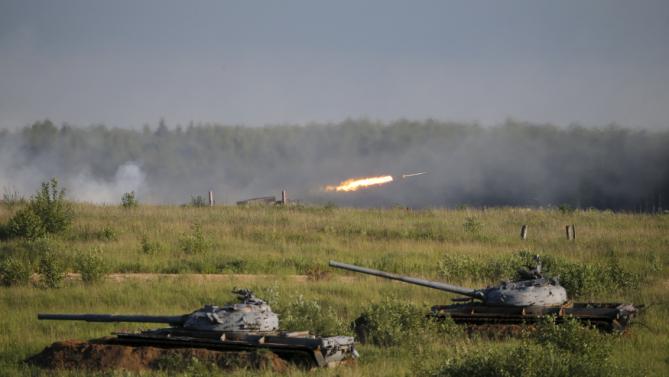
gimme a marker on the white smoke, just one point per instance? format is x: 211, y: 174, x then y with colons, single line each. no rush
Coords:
x: 129, y: 177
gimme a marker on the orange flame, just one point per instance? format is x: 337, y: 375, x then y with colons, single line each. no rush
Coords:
x: 355, y: 184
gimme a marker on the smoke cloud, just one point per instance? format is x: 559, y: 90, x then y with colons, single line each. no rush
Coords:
x: 87, y: 188
x: 515, y: 163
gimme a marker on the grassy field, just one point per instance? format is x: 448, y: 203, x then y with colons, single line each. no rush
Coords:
x: 615, y: 257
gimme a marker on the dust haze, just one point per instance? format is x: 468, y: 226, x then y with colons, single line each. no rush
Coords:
x: 515, y: 163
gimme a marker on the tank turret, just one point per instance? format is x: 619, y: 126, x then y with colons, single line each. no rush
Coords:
x: 535, y: 291
x: 249, y: 314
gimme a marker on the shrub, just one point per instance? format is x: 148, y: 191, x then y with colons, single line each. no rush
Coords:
x: 472, y: 225
x: 108, y: 234
x: 14, y: 271
x: 390, y: 323
x: 301, y: 314
x: 568, y: 349
x: 91, y: 266
x: 50, y: 206
x: 566, y: 208
x: 197, y: 201
x: 578, y: 279
x: 458, y: 268
x: 195, y: 242
x: 47, y: 212
x: 526, y: 360
x: 150, y: 247
x: 51, y: 269
x: 570, y: 335
x: 25, y: 224
x: 128, y: 200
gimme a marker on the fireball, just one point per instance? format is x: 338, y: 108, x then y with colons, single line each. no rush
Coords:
x: 355, y: 184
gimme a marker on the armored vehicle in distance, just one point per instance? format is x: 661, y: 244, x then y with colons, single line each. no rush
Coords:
x: 246, y: 325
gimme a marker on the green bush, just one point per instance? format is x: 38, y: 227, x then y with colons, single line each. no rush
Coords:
x: 108, y: 234
x: 197, y: 201
x: 128, y: 200
x: 51, y: 269
x: 47, y: 212
x: 150, y: 247
x: 390, y: 323
x: 91, y: 266
x: 566, y: 208
x: 526, y: 360
x: 301, y: 314
x: 50, y: 206
x: 472, y: 225
x: 195, y: 242
x: 570, y: 335
x: 14, y: 271
x: 25, y: 224
x: 568, y: 349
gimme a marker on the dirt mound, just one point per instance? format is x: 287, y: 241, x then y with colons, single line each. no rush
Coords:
x: 97, y: 355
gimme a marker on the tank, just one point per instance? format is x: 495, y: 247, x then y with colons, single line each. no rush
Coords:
x: 246, y: 325
x: 522, y: 301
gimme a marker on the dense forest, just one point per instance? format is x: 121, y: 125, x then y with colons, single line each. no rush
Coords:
x: 510, y: 164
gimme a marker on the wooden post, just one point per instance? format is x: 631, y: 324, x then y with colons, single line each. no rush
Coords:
x: 211, y: 198
x: 523, y: 232
x: 284, y: 197
x: 573, y: 232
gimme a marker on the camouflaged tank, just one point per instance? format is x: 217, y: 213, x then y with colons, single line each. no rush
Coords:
x: 521, y: 301
x: 246, y: 325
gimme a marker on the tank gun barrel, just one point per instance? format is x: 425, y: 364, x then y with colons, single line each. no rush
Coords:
x: 172, y: 320
x: 473, y: 293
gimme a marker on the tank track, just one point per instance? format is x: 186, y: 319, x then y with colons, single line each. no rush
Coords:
x: 299, y: 348
x: 605, y: 316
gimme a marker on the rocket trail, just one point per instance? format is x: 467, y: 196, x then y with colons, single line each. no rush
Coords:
x: 413, y: 174
x: 355, y: 184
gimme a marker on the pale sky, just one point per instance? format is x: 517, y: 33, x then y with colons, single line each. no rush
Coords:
x: 126, y: 63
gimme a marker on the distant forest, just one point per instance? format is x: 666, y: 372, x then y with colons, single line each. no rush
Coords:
x: 514, y: 164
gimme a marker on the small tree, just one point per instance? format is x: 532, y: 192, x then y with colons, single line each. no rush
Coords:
x: 26, y: 224
x: 195, y: 242
x: 52, y: 269
x: 50, y: 206
x: 128, y: 200
x: 14, y: 271
x: 91, y: 266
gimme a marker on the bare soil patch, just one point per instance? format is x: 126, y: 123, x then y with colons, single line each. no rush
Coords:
x: 97, y: 355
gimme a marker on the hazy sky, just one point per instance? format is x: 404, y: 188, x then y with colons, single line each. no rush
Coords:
x: 126, y: 63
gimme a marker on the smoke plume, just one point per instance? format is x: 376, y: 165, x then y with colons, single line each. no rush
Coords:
x: 514, y: 163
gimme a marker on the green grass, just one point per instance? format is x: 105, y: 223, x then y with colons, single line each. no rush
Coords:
x: 284, y: 241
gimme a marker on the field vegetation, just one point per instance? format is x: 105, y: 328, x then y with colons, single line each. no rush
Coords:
x: 616, y: 257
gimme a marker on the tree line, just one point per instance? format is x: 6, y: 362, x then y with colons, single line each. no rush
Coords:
x: 515, y: 163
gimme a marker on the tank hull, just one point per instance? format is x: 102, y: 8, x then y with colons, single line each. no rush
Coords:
x: 605, y: 316
x: 301, y: 348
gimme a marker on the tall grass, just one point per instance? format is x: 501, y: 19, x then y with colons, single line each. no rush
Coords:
x: 294, y: 240
x: 275, y: 242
